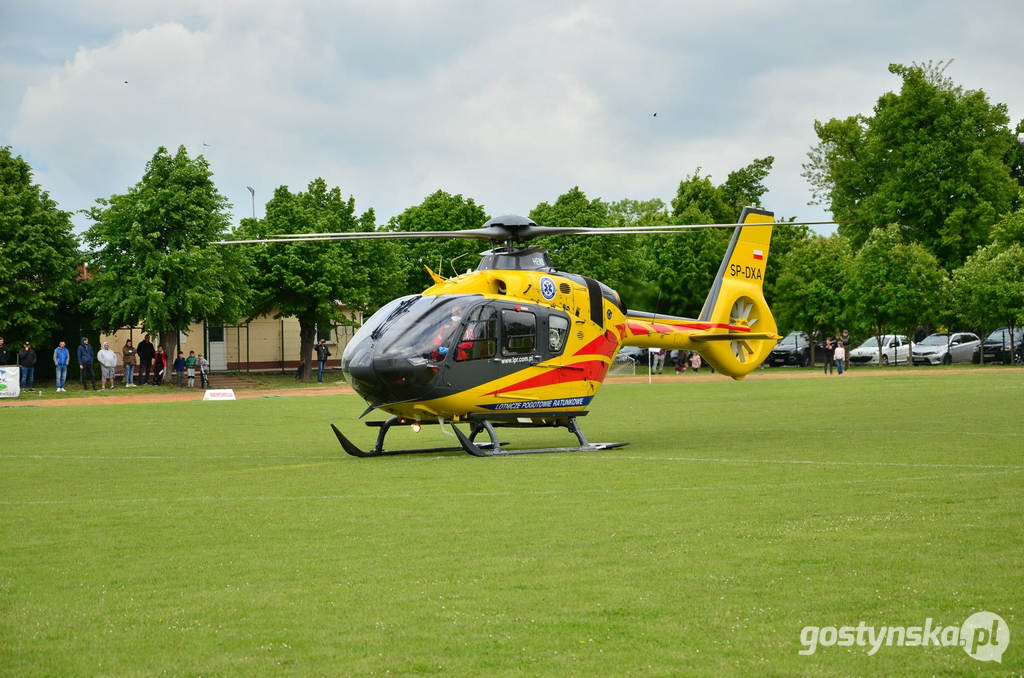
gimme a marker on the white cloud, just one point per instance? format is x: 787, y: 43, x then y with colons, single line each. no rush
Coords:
x: 509, y: 106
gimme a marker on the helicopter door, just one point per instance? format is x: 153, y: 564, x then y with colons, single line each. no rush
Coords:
x: 518, y: 337
x: 495, y: 342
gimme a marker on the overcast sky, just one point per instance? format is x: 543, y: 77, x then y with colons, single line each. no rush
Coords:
x: 510, y: 104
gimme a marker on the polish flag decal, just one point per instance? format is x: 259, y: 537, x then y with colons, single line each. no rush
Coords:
x: 759, y: 255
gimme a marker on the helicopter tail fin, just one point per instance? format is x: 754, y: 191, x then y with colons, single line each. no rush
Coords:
x: 736, y: 302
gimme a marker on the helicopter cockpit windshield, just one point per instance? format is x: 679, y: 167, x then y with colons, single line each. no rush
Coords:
x: 419, y: 328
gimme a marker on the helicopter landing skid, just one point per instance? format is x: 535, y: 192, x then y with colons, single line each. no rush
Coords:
x: 487, y: 422
x: 478, y: 424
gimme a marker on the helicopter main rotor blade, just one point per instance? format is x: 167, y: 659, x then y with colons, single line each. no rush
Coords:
x: 501, y: 233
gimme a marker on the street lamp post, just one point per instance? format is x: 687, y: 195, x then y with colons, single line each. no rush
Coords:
x: 252, y: 192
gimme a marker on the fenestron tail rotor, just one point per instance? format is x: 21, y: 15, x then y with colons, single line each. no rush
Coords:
x: 741, y: 316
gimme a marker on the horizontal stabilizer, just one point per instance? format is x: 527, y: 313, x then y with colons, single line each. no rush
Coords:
x: 736, y: 336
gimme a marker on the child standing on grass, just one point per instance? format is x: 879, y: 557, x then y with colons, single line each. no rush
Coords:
x: 204, y: 372
x: 179, y: 369
x: 190, y: 367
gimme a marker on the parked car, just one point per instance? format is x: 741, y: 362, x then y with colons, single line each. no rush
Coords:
x: 895, y: 349
x: 792, y: 349
x: 946, y: 348
x: 997, y: 345
x: 634, y: 354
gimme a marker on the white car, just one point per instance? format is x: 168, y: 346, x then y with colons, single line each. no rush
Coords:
x: 895, y: 348
x: 946, y: 348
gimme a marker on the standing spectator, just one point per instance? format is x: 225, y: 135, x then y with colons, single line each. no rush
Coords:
x: 322, y: 354
x: 85, y: 359
x: 179, y: 369
x: 146, y: 354
x: 829, y: 355
x: 695, y: 362
x: 61, y: 360
x: 204, y: 372
x: 108, y: 363
x: 847, y: 340
x: 159, y: 366
x: 3, y: 352
x: 840, y: 356
x: 128, y: 354
x: 27, y: 360
x: 659, y: 361
x: 190, y: 368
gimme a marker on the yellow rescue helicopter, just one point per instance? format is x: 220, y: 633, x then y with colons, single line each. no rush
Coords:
x: 518, y: 343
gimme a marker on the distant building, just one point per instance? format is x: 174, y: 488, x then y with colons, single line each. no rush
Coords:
x: 266, y: 344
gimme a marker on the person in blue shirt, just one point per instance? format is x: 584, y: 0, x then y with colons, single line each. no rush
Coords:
x: 179, y: 369
x: 85, y: 360
x: 61, y: 359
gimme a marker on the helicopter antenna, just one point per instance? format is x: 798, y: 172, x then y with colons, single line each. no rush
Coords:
x: 452, y: 262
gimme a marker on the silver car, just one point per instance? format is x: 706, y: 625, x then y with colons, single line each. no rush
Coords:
x: 946, y: 348
x: 895, y: 349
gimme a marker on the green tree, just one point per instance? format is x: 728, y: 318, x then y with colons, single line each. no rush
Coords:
x: 933, y: 159
x: 681, y: 268
x: 636, y: 290
x: 311, y: 280
x: 988, y: 290
x: 627, y: 212
x: 610, y: 259
x: 152, y: 258
x: 784, y: 240
x: 439, y: 211
x: 893, y: 286
x: 683, y: 265
x: 38, y: 256
x: 809, y: 292
x: 745, y: 186
x: 1010, y: 229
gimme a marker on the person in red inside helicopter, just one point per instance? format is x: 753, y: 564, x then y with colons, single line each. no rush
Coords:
x: 444, y: 334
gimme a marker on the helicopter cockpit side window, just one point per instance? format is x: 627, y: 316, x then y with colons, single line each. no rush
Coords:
x: 520, y: 332
x: 558, y: 330
x: 480, y: 337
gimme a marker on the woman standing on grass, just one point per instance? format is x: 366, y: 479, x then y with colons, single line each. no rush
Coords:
x: 128, y: 355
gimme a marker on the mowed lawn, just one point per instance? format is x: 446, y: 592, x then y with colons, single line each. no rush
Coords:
x: 236, y: 538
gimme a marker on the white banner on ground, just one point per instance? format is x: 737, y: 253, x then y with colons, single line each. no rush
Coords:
x: 219, y: 394
x: 10, y: 381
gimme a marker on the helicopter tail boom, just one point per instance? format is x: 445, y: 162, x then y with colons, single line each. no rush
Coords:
x: 735, y: 331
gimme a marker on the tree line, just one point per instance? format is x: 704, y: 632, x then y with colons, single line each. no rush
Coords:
x: 927, y: 190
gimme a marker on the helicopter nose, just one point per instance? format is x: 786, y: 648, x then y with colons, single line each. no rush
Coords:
x: 382, y: 379
x: 361, y: 372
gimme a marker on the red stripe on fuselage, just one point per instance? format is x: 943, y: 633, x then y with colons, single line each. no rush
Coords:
x: 588, y: 370
x: 637, y: 328
x: 605, y: 345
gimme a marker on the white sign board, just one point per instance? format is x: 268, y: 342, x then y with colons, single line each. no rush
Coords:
x: 10, y: 381
x: 219, y: 394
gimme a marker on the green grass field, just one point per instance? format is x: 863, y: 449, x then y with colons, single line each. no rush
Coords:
x: 235, y: 538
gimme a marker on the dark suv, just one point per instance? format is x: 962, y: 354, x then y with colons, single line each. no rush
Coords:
x: 997, y: 346
x: 792, y: 349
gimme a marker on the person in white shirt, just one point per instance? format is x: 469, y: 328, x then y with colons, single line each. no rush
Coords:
x: 839, y: 356
x: 108, y: 361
